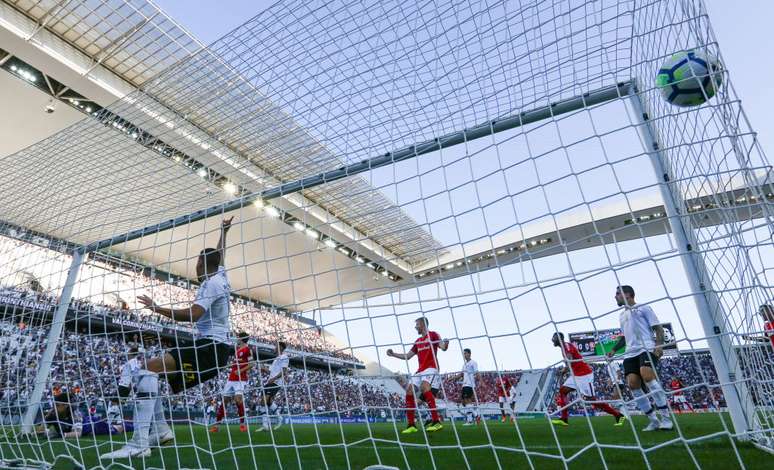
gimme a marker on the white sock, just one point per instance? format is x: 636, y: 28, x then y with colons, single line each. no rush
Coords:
x: 659, y: 396
x: 143, y: 418
x: 160, y: 425
x: 278, y: 412
x: 642, y: 402
x: 145, y: 409
x: 266, y: 420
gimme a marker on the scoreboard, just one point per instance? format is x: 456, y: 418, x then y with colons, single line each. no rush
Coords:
x: 595, y: 344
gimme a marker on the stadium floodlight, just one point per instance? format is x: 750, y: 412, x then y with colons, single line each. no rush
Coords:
x: 229, y: 188
x: 525, y: 166
x: 312, y: 233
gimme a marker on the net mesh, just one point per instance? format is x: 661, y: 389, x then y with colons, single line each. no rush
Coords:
x: 514, y: 233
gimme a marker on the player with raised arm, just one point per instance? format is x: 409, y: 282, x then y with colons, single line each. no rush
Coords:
x: 638, y: 325
x: 427, y: 375
x: 504, y: 385
x: 273, y: 384
x: 468, y: 395
x: 581, y: 380
x: 237, y: 381
x: 189, y: 365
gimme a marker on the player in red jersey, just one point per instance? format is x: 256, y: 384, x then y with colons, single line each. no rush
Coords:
x: 427, y: 377
x: 581, y: 379
x: 237, y: 380
x: 767, y: 313
x: 678, y: 397
x: 504, y: 387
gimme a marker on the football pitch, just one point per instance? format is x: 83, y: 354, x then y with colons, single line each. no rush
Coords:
x: 321, y: 446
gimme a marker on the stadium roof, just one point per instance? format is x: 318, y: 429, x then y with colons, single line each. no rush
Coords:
x: 615, y: 222
x: 104, y: 50
x: 134, y: 40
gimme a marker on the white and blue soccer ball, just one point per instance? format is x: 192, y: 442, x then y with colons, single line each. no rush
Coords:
x: 689, y: 78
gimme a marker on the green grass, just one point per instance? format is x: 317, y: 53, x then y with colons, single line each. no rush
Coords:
x: 454, y: 447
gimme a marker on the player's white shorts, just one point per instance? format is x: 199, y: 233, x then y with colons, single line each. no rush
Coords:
x: 234, y: 388
x: 511, y: 397
x: 427, y: 375
x: 584, y: 384
x: 679, y: 399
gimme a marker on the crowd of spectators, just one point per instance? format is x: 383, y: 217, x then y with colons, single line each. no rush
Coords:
x: 105, y: 289
x: 486, y: 385
x: 88, y: 366
x: 320, y: 392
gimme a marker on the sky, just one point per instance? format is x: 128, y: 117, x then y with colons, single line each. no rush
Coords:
x: 739, y: 33
x: 501, y: 314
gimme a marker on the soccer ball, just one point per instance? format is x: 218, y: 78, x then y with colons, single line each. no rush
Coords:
x: 689, y: 78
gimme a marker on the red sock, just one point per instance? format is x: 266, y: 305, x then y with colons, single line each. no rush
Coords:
x: 561, y: 400
x: 606, y: 408
x: 410, y: 409
x: 241, y: 409
x: 221, y: 413
x: 430, y: 400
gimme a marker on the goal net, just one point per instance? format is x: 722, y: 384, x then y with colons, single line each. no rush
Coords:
x: 490, y: 171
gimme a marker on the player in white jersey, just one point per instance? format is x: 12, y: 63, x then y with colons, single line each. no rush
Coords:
x: 638, y: 325
x: 210, y: 412
x: 148, y: 429
x: 187, y: 365
x: 468, y: 396
x: 618, y: 381
x: 273, y: 384
x: 114, y: 415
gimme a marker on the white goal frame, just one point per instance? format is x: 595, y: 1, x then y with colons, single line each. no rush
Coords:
x: 717, y: 334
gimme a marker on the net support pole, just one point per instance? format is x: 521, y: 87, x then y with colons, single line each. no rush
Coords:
x: 567, y: 105
x: 52, y: 343
x: 711, y: 311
